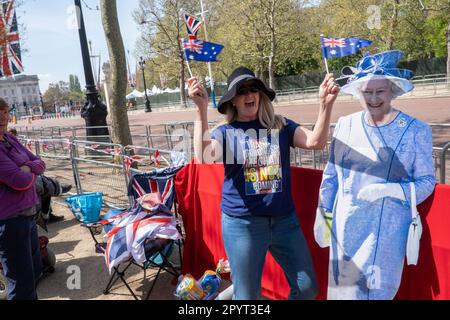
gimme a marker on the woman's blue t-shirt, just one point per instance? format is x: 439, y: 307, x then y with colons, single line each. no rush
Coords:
x: 257, y: 168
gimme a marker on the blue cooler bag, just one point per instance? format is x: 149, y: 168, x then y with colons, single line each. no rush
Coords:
x: 86, y: 207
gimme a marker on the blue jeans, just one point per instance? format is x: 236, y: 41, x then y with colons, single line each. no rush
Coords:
x: 247, y: 240
x: 20, y: 257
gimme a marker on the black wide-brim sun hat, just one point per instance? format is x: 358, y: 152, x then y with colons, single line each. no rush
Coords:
x: 237, y: 78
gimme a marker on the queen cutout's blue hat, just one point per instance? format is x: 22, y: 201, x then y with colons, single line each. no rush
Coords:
x: 379, y: 66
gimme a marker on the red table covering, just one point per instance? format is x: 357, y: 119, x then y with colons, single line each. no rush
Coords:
x: 198, y: 189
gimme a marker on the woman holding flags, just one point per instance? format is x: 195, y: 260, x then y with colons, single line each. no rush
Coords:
x: 258, y: 213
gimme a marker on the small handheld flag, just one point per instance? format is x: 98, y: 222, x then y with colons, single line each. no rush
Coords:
x: 341, y: 47
x: 192, y: 25
x: 201, y: 50
x: 195, y: 49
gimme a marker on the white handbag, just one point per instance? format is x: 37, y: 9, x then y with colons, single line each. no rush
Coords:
x: 415, y: 231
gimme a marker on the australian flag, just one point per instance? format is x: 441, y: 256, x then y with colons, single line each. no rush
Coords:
x: 341, y: 47
x: 200, y: 50
x: 11, y: 61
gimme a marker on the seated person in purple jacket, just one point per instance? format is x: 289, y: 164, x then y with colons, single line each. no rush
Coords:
x: 19, y: 245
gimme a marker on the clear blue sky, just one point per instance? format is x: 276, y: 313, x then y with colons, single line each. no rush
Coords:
x: 52, y: 43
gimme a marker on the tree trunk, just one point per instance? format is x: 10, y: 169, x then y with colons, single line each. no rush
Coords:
x: 393, y: 26
x: 182, y: 84
x: 182, y: 68
x: 448, y: 55
x: 118, y: 83
x: 271, y: 68
x: 272, y: 45
x: 182, y: 75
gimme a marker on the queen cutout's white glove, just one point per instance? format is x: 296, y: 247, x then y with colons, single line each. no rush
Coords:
x: 377, y: 191
x: 322, y: 227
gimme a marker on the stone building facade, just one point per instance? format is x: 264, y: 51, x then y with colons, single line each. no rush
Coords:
x: 23, y: 92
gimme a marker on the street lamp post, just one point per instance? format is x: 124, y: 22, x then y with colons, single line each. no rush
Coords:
x: 94, y: 111
x: 147, y: 101
x: 42, y: 103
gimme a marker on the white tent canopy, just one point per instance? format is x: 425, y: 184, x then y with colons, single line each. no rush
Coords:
x: 168, y: 90
x: 134, y: 94
x: 156, y: 90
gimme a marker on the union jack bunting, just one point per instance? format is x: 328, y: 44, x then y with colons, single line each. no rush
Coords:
x: 9, y: 41
x: 192, y: 25
x: 129, y: 162
x: 159, y: 180
x: 155, y: 158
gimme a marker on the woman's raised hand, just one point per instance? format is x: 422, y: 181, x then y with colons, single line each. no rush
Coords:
x: 329, y: 90
x: 197, y: 93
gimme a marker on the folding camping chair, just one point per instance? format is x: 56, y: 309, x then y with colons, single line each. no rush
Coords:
x: 157, y: 250
x: 163, y: 181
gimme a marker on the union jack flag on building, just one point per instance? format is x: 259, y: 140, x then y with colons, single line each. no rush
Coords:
x: 192, y: 25
x: 9, y: 41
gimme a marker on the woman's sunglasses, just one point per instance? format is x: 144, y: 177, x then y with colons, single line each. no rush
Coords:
x: 246, y: 90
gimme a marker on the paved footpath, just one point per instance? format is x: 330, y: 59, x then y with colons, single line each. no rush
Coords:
x: 428, y: 109
x: 434, y: 109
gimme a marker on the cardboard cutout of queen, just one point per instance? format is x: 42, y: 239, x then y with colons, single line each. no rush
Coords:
x: 365, y: 193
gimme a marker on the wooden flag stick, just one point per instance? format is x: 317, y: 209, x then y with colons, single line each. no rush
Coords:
x: 326, y: 65
x: 323, y: 53
x: 187, y: 63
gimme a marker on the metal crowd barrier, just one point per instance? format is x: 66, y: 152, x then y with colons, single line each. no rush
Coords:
x: 96, y: 166
x: 179, y: 135
x: 106, y: 168
x: 441, y: 154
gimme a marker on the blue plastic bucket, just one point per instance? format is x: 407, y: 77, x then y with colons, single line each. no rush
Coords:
x: 86, y: 207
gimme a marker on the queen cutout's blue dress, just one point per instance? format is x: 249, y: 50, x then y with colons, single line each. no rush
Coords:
x: 368, y: 239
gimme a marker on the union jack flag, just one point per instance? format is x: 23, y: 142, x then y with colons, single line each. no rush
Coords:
x: 150, y: 202
x: 192, y: 45
x: 159, y: 180
x: 160, y: 226
x: 192, y: 25
x: 121, y: 220
x: 128, y: 238
x: 9, y: 41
